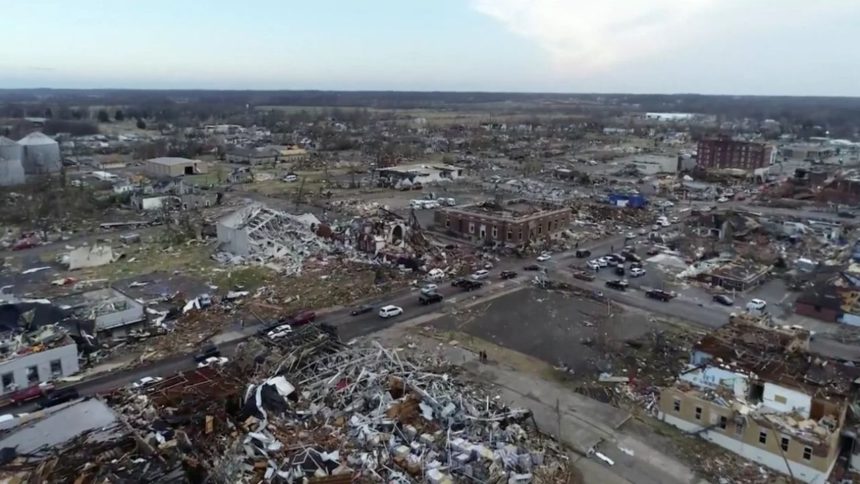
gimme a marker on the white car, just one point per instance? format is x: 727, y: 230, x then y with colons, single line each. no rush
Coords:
x: 544, y: 257
x: 147, y: 381
x: 722, y: 200
x: 213, y: 361
x: 390, y: 311
x: 675, y: 220
x: 280, y: 331
x: 643, y: 231
x: 481, y: 274
x: 436, y: 274
x: 637, y: 272
x: 429, y: 288
x: 757, y: 305
x: 630, y: 235
x: 602, y: 261
x: 593, y: 264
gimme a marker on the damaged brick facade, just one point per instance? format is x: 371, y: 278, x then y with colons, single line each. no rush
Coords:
x: 512, y: 229
x: 724, y: 152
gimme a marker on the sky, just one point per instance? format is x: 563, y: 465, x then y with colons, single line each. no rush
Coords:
x: 755, y: 47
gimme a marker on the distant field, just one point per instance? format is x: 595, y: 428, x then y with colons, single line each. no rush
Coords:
x: 470, y: 114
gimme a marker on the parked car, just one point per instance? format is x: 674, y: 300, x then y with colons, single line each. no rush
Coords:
x: 436, y: 275
x: 619, y: 270
x: 147, y: 381
x: 845, y: 214
x: 428, y: 288
x: 602, y: 261
x: 364, y: 308
x: 508, y: 274
x: 213, y: 361
x: 544, y: 257
x: 629, y: 236
x: 674, y: 220
x: 57, y: 397
x: 617, y: 284
x: 390, y: 311
x: 532, y: 267
x: 659, y: 295
x: 301, y: 317
x: 481, y: 274
x: 30, y: 393
x: 593, y: 264
x: 279, y: 331
x: 637, y: 272
x: 582, y: 275
x: 429, y: 298
x: 757, y: 305
x: 583, y: 253
x: 724, y: 300
x: 207, y: 351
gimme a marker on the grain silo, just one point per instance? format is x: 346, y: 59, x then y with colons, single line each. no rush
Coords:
x: 11, y: 169
x: 41, y: 154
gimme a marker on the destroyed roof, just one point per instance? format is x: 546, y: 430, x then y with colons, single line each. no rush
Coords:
x: 779, y: 356
x: 57, y: 425
x: 508, y: 209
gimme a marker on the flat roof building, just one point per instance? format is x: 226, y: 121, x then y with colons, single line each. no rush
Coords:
x: 174, y: 167
x: 724, y: 152
x: 515, y: 222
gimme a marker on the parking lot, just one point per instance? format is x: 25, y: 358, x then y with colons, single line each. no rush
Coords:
x: 560, y: 328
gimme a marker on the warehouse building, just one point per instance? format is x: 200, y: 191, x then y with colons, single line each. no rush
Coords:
x: 174, y: 167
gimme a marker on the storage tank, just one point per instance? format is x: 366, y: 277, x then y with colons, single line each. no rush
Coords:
x: 11, y: 169
x: 41, y: 154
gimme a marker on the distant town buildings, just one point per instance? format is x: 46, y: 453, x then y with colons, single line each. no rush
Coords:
x: 724, y: 152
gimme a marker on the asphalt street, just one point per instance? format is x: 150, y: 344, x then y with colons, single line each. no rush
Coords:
x: 707, y: 315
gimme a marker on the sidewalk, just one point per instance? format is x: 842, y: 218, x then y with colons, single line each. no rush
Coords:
x: 580, y: 422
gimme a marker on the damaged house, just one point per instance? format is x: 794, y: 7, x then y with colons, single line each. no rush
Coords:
x: 271, y: 236
x: 26, y: 359
x: 757, y: 392
x: 114, y: 313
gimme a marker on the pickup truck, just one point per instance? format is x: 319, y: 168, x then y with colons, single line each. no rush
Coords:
x: 583, y: 275
x: 429, y: 298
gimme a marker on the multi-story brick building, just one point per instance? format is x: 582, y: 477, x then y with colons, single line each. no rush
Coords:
x: 724, y: 152
x: 515, y: 222
x: 757, y: 392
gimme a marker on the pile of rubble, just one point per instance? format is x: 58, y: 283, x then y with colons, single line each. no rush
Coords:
x: 322, y: 411
x: 372, y: 413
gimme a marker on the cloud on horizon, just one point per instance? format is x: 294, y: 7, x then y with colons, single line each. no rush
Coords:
x: 584, y: 37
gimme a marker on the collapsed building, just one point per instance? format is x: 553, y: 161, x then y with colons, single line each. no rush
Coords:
x: 302, y: 409
x: 270, y: 236
x: 756, y: 391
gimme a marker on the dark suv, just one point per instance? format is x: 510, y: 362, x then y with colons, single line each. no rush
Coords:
x: 617, y: 284
x: 429, y: 298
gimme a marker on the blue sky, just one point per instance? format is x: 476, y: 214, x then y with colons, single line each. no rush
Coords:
x: 709, y: 46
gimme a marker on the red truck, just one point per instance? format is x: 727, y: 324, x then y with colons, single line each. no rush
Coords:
x: 29, y: 394
x: 27, y: 241
x: 302, y: 317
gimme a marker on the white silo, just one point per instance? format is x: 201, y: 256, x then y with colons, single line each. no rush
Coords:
x: 41, y: 154
x: 11, y: 169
